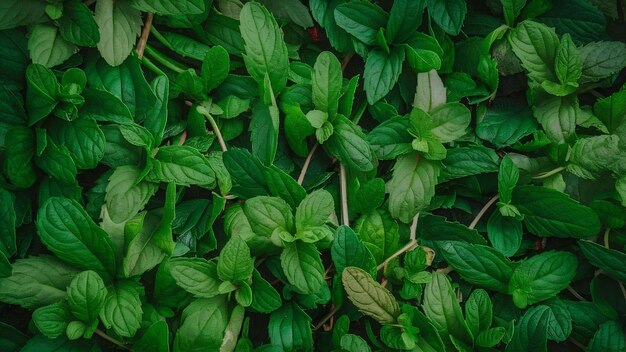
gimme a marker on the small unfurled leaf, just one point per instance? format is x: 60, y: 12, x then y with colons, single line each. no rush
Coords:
x: 367, y: 295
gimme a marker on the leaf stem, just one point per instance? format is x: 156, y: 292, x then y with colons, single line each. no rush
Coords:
x: 112, y: 340
x: 326, y: 317
x: 549, y: 173
x: 307, y: 162
x: 145, y: 33
x: 164, y: 60
x: 576, y: 343
x: 161, y: 38
x: 576, y: 294
x: 343, y: 187
x: 607, y: 232
x: 216, y: 129
x: 483, y: 211
x: 151, y: 66
x: 407, y: 247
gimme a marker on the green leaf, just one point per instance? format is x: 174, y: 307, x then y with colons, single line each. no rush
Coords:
x: 235, y: 262
x: 581, y: 19
x: 591, y: 157
x: 195, y: 275
x: 265, y: 298
x: 17, y: 13
x: 568, y: 63
x: 290, y: 329
x: 531, y: 331
x: 379, y: 232
x: 450, y: 121
x: 122, y: 310
x: 284, y: 186
x: 404, y: 19
x: 467, y: 161
x: 391, y: 138
x: 542, y: 277
x: 443, y: 310
x: 508, y: 175
x: 381, y: 72
x: 354, y: 343
x: 85, y: 296
x: 41, y: 93
x: 609, y: 260
x: 348, y: 144
x: 609, y: 337
x: 348, y: 250
x: 361, y: 19
x: 505, y: 122
x: 511, y: 10
x: 479, y: 265
x: 422, y: 60
x: 558, y: 116
x: 303, y: 267
x: 52, y: 319
x: 182, y: 165
x: 612, y: 111
x: 19, y: 152
x: 478, y: 312
x: 326, y: 83
x: 103, y: 106
x: 8, y: 215
x: 412, y: 186
x: 83, y: 139
x: 155, y: 338
x: 323, y: 12
x: 536, y: 46
x: 170, y: 7
x: 119, y: 27
x: 602, y: 59
x: 430, y: 91
x: 369, y: 296
x: 77, y: 25
x: 247, y: 173
x: 124, y: 196
x: 215, y: 67
x: 550, y: 213
x: 505, y: 233
x: 203, y: 325
x: 560, y: 324
x: 315, y: 209
x: 143, y: 250
x: 266, y: 52
x: 68, y: 232
x: 267, y: 214
x: 47, y: 47
x: 57, y: 162
x: 448, y: 14
x: 36, y: 282
x: 264, y: 132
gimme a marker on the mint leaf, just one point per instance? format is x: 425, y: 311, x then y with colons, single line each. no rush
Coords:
x: 541, y: 277
x: 235, y: 262
x: 266, y: 52
x: 66, y: 229
x: 367, y: 295
x: 326, y: 83
x: 303, y: 267
x: 606, y: 259
x: 536, y: 46
x: 479, y: 265
x: 549, y: 213
x: 448, y: 14
x: 85, y: 296
x: 361, y: 19
x: 119, y: 27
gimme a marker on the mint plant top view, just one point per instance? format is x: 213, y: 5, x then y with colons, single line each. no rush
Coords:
x: 312, y: 175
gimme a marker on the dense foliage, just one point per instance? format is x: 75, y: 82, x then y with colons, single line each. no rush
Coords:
x: 330, y: 175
